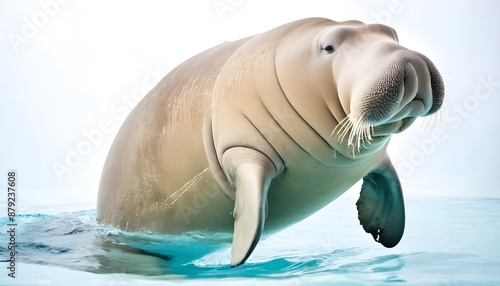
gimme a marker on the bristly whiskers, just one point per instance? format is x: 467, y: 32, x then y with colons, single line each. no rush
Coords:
x: 360, y: 132
x: 430, y: 123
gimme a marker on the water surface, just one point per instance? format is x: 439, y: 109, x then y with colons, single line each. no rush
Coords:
x: 446, y: 242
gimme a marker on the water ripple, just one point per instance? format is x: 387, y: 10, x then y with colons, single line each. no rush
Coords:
x: 74, y: 241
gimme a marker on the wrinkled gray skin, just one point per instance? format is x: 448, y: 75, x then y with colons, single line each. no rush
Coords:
x: 255, y: 135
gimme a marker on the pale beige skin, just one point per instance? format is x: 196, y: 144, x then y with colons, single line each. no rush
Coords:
x: 245, y: 137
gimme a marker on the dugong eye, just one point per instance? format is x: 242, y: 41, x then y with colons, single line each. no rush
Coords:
x: 328, y: 48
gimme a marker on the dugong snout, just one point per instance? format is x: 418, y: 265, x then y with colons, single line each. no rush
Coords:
x: 408, y: 87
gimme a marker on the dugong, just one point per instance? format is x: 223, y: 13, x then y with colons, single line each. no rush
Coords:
x: 255, y: 135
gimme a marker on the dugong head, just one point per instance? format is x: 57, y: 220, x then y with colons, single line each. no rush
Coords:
x: 372, y: 86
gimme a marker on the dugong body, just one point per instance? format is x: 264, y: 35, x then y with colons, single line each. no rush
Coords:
x: 258, y: 134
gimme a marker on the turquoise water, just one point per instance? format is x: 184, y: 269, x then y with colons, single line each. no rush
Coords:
x: 446, y: 242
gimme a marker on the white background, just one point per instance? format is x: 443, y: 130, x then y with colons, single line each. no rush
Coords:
x: 70, y: 68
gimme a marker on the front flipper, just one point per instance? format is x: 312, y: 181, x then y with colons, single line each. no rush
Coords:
x: 381, y: 209
x: 250, y: 172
